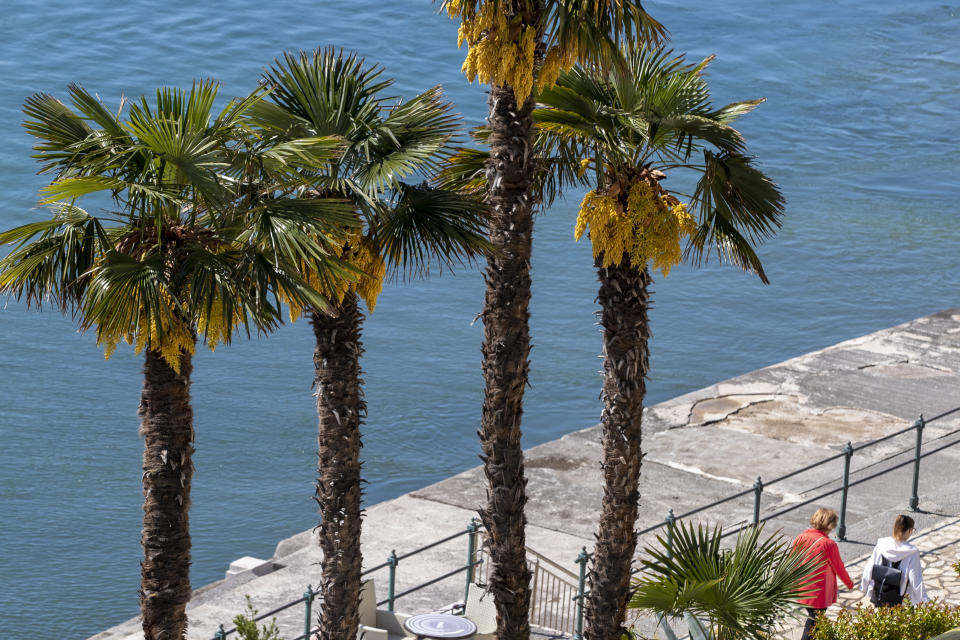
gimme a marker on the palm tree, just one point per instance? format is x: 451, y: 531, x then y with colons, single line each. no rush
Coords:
x: 743, y: 592
x: 630, y: 124
x: 192, y: 250
x: 401, y: 228
x: 515, y: 45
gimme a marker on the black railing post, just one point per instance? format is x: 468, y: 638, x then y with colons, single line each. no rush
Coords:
x: 914, y: 498
x: 757, y: 491
x: 847, y: 455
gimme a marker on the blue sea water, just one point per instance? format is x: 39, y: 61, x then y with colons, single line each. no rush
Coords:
x: 860, y: 129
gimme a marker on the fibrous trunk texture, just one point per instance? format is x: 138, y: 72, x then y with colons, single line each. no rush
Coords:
x: 506, y: 349
x: 624, y: 299
x: 341, y: 410
x: 166, y: 424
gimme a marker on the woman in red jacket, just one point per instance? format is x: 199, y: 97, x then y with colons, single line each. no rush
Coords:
x: 823, y: 582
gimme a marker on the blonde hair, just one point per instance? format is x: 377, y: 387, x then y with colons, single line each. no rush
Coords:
x: 902, y: 527
x: 824, y: 519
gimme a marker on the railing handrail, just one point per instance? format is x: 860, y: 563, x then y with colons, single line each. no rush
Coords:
x: 849, y: 450
x: 813, y: 465
x: 566, y: 573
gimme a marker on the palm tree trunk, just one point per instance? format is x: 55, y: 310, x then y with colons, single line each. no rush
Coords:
x: 624, y: 300
x: 506, y: 349
x: 166, y: 424
x: 341, y: 409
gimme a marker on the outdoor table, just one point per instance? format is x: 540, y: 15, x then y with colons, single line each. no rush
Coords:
x: 439, y: 625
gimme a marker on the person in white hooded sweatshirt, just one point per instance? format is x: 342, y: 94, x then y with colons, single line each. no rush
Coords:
x: 897, y: 549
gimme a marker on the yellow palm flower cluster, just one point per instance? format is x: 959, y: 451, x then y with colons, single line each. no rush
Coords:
x: 368, y: 260
x: 359, y: 252
x: 212, y: 326
x: 500, y: 48
x: 557, y: 59
x: 161, y: 332
x: 648, y: 230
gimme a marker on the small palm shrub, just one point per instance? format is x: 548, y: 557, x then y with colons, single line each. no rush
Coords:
x: 747, y: 591
x: 919, y: 622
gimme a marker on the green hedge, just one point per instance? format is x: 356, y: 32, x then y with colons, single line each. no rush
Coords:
x: 921, y: 622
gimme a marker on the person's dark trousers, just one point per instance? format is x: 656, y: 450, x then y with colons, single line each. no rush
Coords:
x: 811, y: 622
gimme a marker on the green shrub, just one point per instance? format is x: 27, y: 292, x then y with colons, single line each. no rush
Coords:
x: 956, y: 567
x: 920, y: 622
x: 247, y: 627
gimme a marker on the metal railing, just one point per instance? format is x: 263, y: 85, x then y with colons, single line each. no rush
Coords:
x: 393, y: 560
x: 552, y: 609
x: 759, y: 486
x: 553, y: 590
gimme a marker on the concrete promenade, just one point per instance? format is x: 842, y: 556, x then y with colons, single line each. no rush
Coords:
x: 701, y: 447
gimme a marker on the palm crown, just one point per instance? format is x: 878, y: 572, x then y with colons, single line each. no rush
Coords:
x: 201, y: 232
x: 503, y: 37
x: 632, y: 124
x: 403, y: 227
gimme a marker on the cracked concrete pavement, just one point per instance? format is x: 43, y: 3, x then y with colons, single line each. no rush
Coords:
x: 700, y: 447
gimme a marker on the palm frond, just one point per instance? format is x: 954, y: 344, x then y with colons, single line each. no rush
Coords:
x: 303, y: 153
x: 332, y: 91
x: 739, y: 206
x: 596, y: 28
x: 409, y: 141
x: 54, y: 265
x: 743, y: 591
x: 279, y: 121
x: 734, y: 110
x: 58, y: 129
x: 425, y: 226
x: 465, y: 171
x: 128, y: 296
x: 299, y: 230
x: 94, y: 110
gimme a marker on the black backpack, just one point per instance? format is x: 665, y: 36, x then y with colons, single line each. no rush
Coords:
x: 886, y: 583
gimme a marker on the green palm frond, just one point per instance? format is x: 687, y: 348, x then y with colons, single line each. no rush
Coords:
x: 299, y: 230
x: 126, y: 296
x: 743, y: 591
x: 51, y: 258
x: 424, y: 226
x: 734, y: 110
x: 594, y: 26
x: 94, y: 110
x: 330, y: 90
x: 58, y: 129
x: 302, y: 153
x: 410, y: 140
x: 464, y: 171
x: 234, y: 113
x: 739, y: 207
